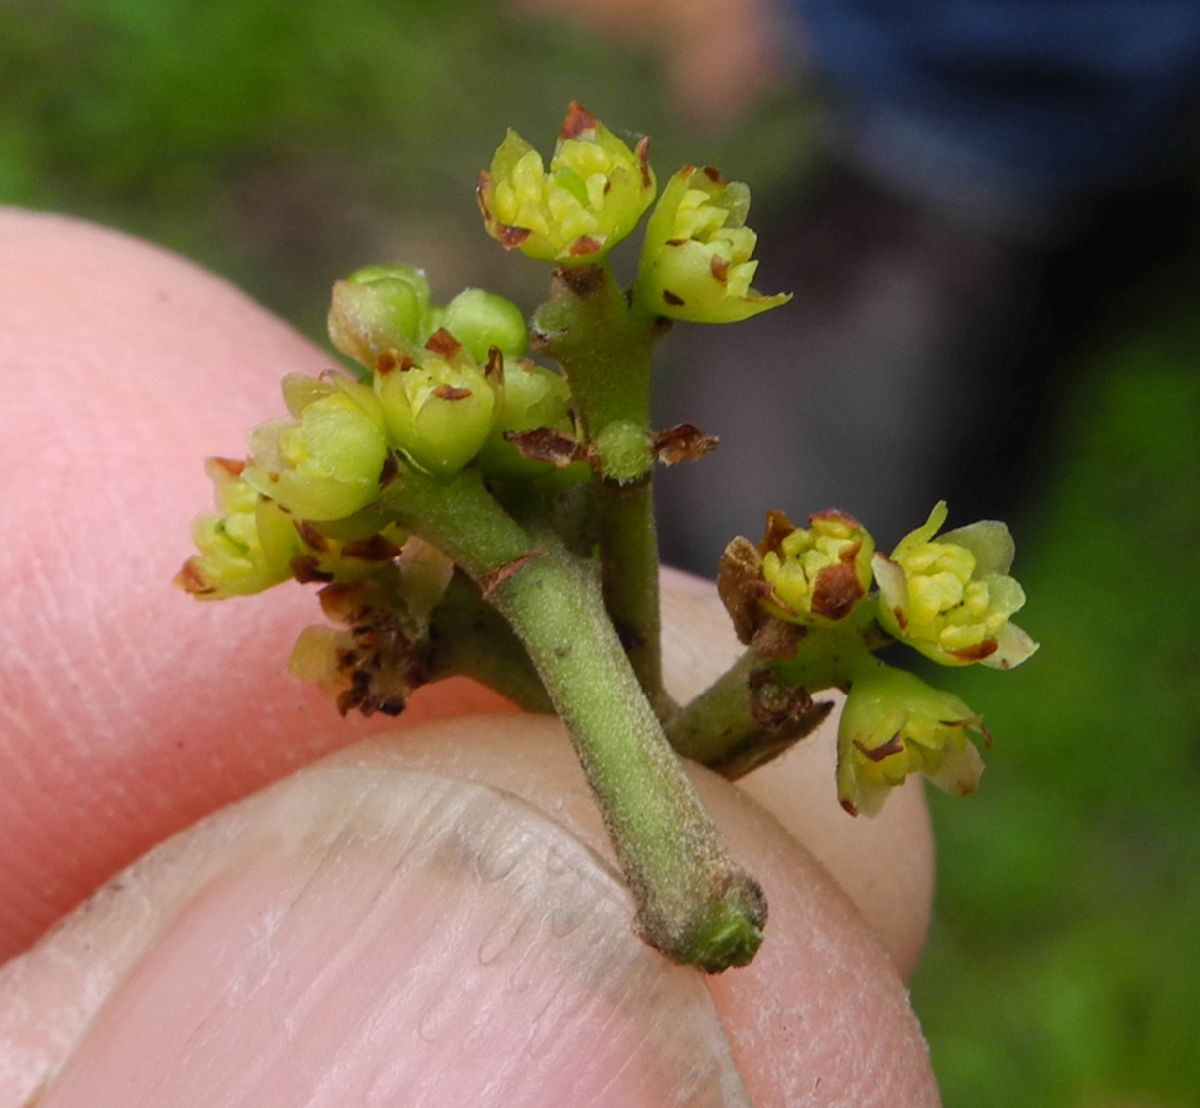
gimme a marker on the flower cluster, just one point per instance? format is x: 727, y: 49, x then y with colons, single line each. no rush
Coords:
x: 947, y: 596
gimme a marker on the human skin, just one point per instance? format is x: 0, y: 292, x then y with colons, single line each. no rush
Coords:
x: 430, y: 916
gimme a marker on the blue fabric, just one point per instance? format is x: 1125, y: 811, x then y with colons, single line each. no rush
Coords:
x: 1051, y: 98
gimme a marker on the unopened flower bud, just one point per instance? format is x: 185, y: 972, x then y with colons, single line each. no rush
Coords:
x: 592, y: 196
x: 481, y: 320
x: 950, y: 597
x: 438, y: 407
x: 817, y: 575
x: 697, y: 262
x: 893, y: 724
x: 533, y: 397
x: 325, y: 462
x: 377, y: 309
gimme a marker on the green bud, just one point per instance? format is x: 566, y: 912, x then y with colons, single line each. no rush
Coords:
x: 696, y: 262
x: 438, y: 407
x: 532, y: 397
x: 377, y: 309
x: 951, y: 597
x: 818, y: 575
x: 593, y: 195
x: 245, y: 547
x: 481, y: 320
x: 893, y: 724
x: 325, y: 462
x: 625, y: 452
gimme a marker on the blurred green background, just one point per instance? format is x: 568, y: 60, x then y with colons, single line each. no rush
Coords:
x: 282, y: 145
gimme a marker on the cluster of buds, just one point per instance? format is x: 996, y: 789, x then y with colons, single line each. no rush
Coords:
x: 448, y: 384
x: 947, y: 596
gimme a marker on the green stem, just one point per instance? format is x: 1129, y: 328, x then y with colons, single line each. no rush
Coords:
x: 694, y: 902
x: 761, y: 706
x: 605, y: 350
x: 469, y: 639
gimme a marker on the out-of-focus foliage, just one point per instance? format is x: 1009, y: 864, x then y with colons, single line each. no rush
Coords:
x: 1063, y: 965
x: 284, y: 143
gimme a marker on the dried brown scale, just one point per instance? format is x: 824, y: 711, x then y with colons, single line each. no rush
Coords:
x: 492, y: 581
x: 713, y: 174
x: 642, y: 150
x: 390, y: 470
x: 544, y: 444
x: 493, y: 369
x: 974, y: 653
x: 581, y: 281
x: 191, y: 580
x: 740, y: 587
x: 451, y: 392
x: 583, y: 246
x: 777, y: 639
x: 374, y: 549
x: 672, y: 299
x: 778, y: 527
x: 306, y: 569
x: 837, y: 589
x: 684, y: 442
x: 233, y: 466
x: 719, y: 267
x: 443, y: 342
x: 578, y: 121
x: 311, y: 536
x: 773, y: 705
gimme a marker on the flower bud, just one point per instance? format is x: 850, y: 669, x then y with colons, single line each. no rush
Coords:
x: 696, y: 262
x: 438, y: 408
x: 893, y: 724
x: 532, y: 397
x: 245, y: 547
x: 592, y: 196
x: 950, y: 597
x: 481, y: 320
x: 325, y: 462
x: 377, y: 309
x: 817, y: 575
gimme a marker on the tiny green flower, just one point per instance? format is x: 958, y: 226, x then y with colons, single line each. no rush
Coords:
x: 817, y: 575
x: 893, y: 724
x: 377, y: 309
x: 324, y: 463
x: 593, y: 195
x: 245, y: 547
x: 950, y: 597
x: 438, y: 407
x: 532, y: 397
x: 696, y: 262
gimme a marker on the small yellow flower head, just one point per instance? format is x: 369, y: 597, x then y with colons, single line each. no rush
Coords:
x: 324, y: 463
x: 531, y: 398
x: 245, y: 547
x: 377, y: 309
x: 696, y: 260
x: 950, y: 597
x: 592, y: 196
x: 438, y: 409
x: 893, y: 724
x: 817, y: 575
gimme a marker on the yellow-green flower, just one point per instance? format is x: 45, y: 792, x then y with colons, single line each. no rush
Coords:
x: 591, y: 197
x: 893, y: 724
x: 324, y: 463
x: 950, y: 597
x: 696, y: 262
x: 817, y: 575
x: 243, y: 548
x: 438, y: 409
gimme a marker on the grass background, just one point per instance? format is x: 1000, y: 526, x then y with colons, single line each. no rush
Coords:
x: 284, y: 144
